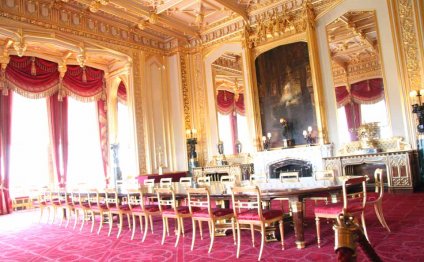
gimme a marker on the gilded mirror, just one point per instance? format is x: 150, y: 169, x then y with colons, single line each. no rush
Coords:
x: 357, y: 73
x: 229, y: 97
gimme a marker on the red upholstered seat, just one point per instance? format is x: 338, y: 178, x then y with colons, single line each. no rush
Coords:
x: 180, y: 210
x: 337, y: 208
x: 217, y: 212
x: 116, y: 208
x: 253, y: 214
x: 151, y: 208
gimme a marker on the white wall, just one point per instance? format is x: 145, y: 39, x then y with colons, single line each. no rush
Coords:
x: 397, y: 112
x: 176, y: 106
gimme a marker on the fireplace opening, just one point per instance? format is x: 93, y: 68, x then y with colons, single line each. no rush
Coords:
x: 290, y: 165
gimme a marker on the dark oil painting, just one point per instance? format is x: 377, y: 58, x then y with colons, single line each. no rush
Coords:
x: 286, y: 94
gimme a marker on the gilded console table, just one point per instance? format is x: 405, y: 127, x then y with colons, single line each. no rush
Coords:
x: 400, y: 166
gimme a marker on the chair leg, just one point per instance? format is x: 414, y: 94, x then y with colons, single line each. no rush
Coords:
x: 84, y: 216
x: 281, y: 224
x: 69, y: 217
x: 129, y: 221
x: 200, y: 230
x: 41, y: 213
x: 364, y: 226
x: 92, y: 221
x: 48, y: 214
x: 379, y: 211
x: 101, y: 222
x: 194, y: 233
x: 167, y: 226
x: 77, y: 214
x: 178, y: 220
x: 234, y: 230
x: 262, y: 240
x: 120, y: 224
x: 110, y: 223
x: 318, y: 231
x: 164, y: 229
x: 140, y: 219
x: 182, y: 226
x: 252, y: 232
x: 212, y: 234
x: 134, y: 226
x: 62, y: 216
x: 54, y: 214
x: 238, y: 239
x: 146, y: 219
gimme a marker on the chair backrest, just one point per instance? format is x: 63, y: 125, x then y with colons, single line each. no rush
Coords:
x: 258, y: 179
x: 379, y: 182
x: 135, y: 198
x: 164, y: 199
x: 248, y: 197
x: 225, y: 179
x: 199, y: 197
x: 204, y: 180
x: 111, y: 198
x: 185, y: 181
x: 358, y: 197
x: 289, y: 177
x: 165, y: 182
x: 324, y: 175
x: 149, y: 182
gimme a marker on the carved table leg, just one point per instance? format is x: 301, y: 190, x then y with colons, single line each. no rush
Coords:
x: 297, y: 211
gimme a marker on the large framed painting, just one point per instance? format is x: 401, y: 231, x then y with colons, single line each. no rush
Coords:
x: 286, y: 95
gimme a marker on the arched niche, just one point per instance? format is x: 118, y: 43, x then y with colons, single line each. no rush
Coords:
x: 212, y: 132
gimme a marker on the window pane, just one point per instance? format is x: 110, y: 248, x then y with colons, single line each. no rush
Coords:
x: 84, y: 155
x: 344, y: 135
x: 243, y: 135
x: 225, y: 134
x: 376, y: 113
x: 29, y: 145
x: 123, y: 139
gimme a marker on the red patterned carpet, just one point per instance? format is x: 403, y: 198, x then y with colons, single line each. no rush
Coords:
x: 22, y: 238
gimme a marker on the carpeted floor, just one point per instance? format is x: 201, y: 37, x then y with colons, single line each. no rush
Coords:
x: 22, y: 238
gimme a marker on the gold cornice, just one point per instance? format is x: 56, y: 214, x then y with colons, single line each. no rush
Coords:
x: 100, y: 30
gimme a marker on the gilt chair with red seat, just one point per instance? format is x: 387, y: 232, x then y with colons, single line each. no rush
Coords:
x: 44, y: 203
x: 376, y: 198
x: 115, y: 207
x: 59, y: 201
x: 168, y: 206
x: 137, y: 202
x: 97, y: 206
x: 353, y: 203
x: 200, y: 209
x: 247, y: 205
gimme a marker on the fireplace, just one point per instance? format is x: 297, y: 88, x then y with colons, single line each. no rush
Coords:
x: 290, y: 165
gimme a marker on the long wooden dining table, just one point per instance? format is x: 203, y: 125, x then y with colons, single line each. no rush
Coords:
x: 295, y: 192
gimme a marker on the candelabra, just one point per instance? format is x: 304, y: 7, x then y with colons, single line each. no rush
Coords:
x: 307, y: 134
x: 266, y: 141
x: 191, y: 136
x: 418, y: 108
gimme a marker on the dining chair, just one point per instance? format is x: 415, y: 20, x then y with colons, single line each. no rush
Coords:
x: 169, y: 209
x: 115, y: 207
x: 288, y: 178
x: 97, y: 206
x: 200, y: 209
x: 44, y: 203
x: 149, y: 182
x: 376, y: 198
x: 249, y: 211
x: 227, y: 179
x: 136, y: 201
x: 353, y: 204
x: 322, y: 175
x: 165, y: 182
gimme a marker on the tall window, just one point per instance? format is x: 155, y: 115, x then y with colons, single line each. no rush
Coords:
x: 84, y: 151
x: 30, y: 144
x: 225, y: 134
x: 123, y: 138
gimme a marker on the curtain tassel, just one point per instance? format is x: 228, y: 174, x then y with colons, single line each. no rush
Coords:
x: 60, y: 92
x: 33, y: 69
x: 84, y: 75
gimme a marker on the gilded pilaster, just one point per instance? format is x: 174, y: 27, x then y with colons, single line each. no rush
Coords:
x: 187, y: 105
x: 138, y: 65
x: 405, y: 21
x: 309, y: 20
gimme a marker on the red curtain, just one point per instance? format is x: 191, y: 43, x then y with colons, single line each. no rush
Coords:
x: 5, y: 140
x: 32, y: 77
x: 103, y: 134
x: 122, y: 93
x: 84, y: 83
x: 227, y: 102
x: 58, y: 122
x: 368, y: 91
